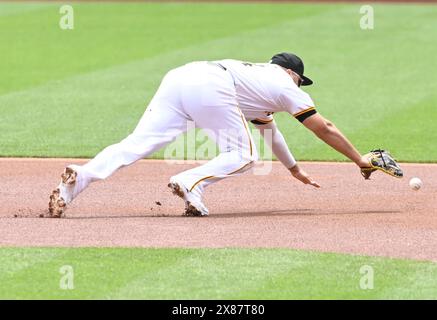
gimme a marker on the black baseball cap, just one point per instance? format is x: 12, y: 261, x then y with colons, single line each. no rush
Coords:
x: 293, y: 62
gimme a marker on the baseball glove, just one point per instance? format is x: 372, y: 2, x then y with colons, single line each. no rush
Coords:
x: 381, y: 160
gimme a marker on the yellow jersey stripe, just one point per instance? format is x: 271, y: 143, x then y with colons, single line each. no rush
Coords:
x: 303, y: 111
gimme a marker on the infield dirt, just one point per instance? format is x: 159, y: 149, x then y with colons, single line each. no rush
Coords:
x: 134, y: 208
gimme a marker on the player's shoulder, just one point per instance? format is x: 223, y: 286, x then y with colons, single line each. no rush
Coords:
x: 290, y: 87
x: 303, y: 93
x: 293, y: 96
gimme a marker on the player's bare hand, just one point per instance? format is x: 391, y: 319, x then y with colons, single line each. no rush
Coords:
x: 302, y: 176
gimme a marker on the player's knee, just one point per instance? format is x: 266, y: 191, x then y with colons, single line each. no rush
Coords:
x: 254, y: 157
x: 131, y: 145
x: 250, y: 159
x: 246, y: 163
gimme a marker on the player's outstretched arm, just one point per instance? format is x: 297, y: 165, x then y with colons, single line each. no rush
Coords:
x: 330, y: 134
x: 275, y: 140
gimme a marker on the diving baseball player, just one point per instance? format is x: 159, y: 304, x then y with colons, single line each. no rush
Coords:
x: 220, y: 97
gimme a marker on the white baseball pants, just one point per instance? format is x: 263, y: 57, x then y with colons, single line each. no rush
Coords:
x: 199, y: 91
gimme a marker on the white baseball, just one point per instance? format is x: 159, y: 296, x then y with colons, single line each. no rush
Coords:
x: 415, y: 183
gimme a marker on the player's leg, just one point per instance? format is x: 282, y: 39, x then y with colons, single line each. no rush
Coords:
x: 237, y: 150
x: 158, y: 127
x: 161, y: 123
x: 217, y: 112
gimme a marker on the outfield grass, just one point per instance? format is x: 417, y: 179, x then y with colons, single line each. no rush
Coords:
x: 71, y: 93
x: 103, y: 273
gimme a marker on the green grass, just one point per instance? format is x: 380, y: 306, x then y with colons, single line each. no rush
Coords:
x: 104, y: 273
x: 71, y: 93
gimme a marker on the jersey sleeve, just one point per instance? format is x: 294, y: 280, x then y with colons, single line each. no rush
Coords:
x: 297, y: 102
